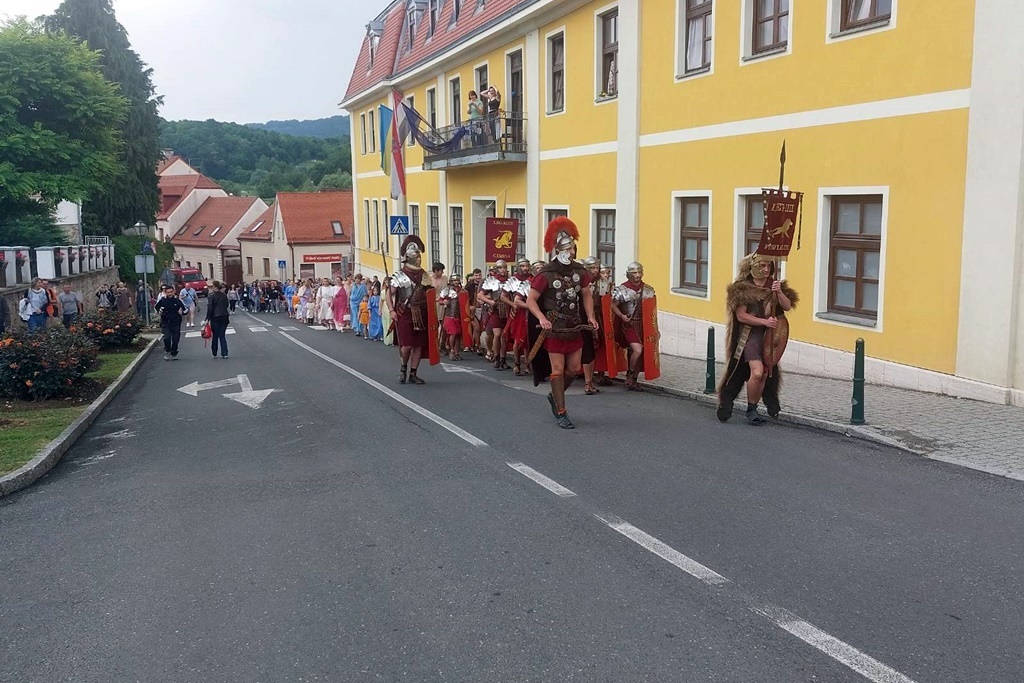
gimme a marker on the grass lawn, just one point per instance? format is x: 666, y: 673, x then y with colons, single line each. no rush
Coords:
x: 26, y: 427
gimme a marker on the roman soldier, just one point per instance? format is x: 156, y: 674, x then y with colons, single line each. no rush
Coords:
x: 631, y: 330
x: 453, y: 314
x: 559, y: 299
x: 497, y: 313
x: 755, y: 338
x: 537, y: 267
x: 591, y: 342
x: 409, y: 308
x: 517, y: 289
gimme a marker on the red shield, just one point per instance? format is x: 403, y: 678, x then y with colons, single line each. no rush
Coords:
x: 466, y: 317
x: 651, y: 339
x: 614, y: 356
x: 433, y: 351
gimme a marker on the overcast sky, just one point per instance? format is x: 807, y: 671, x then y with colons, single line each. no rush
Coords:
x: 246, y: 61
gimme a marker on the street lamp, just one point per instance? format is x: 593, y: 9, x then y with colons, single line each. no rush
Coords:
x: 143, y: 230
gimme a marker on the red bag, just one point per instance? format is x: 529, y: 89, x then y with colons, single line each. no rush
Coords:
x: 207, y: 332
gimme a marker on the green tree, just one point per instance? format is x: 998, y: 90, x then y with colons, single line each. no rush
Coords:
x: 336, y: 181
x: 130, y: 195
x: 59, y: 123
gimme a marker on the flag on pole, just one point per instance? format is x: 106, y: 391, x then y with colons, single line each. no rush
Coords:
x: 384, y: 115
x: 392, y: 160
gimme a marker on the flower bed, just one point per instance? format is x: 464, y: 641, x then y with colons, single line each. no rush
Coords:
x: 109, y: 329
x: 44, y: 365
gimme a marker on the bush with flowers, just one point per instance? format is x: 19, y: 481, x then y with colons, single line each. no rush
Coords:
x: 110, y: 329
x: 44, y: 365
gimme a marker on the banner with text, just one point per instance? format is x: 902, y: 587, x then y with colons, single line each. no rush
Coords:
x: 781, y: 214
x: 502, y: 234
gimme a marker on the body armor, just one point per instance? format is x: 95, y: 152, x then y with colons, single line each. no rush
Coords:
x: 516, y: 287
x: 493, y: 288
x: 562, y: 300
x: 451, y: 306
x: 411, y: 294
x: 629, y: 299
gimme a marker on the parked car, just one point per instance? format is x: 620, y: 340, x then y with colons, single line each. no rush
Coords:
x: 192, y: 276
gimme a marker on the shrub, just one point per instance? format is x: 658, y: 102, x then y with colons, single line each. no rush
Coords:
x: 36, y: 367
x: 110, y: 329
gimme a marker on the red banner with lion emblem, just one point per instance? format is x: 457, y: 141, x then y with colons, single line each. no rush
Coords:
x: 781, y: 215
x: 502, y: 234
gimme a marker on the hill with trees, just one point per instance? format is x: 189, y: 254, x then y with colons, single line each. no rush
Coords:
x: 333, y: 127
x: 254, y: 162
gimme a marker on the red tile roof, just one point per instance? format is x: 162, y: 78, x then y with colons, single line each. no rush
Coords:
x: 262, y: 228
x: 166, y: 162
x: 174, y: 188
x: 213, y: 213
x: 307, y: 216
x: 394, y: 57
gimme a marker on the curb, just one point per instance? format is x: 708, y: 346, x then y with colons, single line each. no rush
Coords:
x: 52, y: 452
x: 854, y: 431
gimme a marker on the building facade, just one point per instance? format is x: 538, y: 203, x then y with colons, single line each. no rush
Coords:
x: 209, y: 240
x: 654, y: 124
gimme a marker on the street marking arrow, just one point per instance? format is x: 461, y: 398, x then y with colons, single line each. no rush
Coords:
x: 448, y: 367
x: 247, y: 396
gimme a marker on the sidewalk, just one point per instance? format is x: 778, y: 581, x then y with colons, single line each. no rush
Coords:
x: 982, y: 436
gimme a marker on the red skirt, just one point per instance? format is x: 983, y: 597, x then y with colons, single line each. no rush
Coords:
x: 565, y: 346
x: 407, y: 336
x: 452, y: 326
x: 493, y: 321
x: 517, y: 327
x: 630, y: 335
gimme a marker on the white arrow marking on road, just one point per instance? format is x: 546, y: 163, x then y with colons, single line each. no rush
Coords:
x: 458, y: 368
x: 248, y: 397
x: 194, y: 388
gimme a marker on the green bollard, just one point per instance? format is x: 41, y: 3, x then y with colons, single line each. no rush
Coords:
x: 709, y: 374
x: 857, y: 415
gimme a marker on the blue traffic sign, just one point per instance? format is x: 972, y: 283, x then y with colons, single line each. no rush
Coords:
x: 281, y: 264
x: 399, y: 225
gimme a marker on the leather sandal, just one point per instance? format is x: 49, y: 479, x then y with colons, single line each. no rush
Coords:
x: 589, y: 389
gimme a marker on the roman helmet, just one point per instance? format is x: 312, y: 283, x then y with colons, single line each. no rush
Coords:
x: 756, y: 266
x: 455, y: 280
x: 501, y: 267
x: 536, y: 267
x: 593, y: 266
x: 412, y: 250
x: 635, y: 272
x: 523, y: 267
x: 560, y: 238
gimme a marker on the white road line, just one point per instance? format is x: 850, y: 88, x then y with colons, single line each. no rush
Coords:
x: 290, y: 329
x: 549, y: 484
x: 198, y: 333
x: 648, y: 542
x: 866, y: 666
x: 257, y: 329
x: 433, y: 417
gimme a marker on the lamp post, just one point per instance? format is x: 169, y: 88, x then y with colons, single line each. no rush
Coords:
x: 143, y: 230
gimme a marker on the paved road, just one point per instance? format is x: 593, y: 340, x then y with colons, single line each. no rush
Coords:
x: 352, y: 529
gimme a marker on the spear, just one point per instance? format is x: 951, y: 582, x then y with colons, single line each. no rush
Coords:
x: 782, y: 166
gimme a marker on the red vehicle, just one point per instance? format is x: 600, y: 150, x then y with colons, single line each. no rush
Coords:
x: 190, y: 276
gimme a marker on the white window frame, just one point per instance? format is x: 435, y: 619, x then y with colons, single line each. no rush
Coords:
x: 739, y: 235
x: 366, y: 207
x: 526, y: 221
x: 747, y: 55
x: 362, y: 126
x: 455, y: 111
x: 599, y: 55
x: 548, y: 90
x: 376, y: 224
x: 821, y: 276
x: 450, y: 266
x: 432, y: 105
x: 373, y: 130
x: 476, y: 76
x: 592, y: 236
x: 674, y: 265
x: 680, y: 43
x: 411, y: 101
x: 834, y: 34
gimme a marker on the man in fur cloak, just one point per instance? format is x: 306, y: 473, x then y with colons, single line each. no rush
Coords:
x: 757, y: 305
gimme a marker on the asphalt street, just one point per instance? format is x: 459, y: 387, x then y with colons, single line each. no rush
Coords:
x: 347, y: 528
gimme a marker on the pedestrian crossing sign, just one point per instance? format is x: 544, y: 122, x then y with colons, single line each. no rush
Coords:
x: 399, y: 225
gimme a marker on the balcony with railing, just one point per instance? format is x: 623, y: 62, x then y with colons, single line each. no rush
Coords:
x: 491, y: 140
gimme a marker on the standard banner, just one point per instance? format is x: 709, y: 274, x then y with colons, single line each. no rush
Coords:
x: 652, y: 339
x: 467, y: 317
x: 432, y: 349
x: 781, y: 214
x: 501, y: 239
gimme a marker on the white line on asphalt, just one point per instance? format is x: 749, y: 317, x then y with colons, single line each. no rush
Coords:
x: 257, y: 329
x: 433, y: 417
x: 290, y: 329
x: 648, y: 542
x: 549, y: 484
x: 197, y: 333
x: 866, y: 666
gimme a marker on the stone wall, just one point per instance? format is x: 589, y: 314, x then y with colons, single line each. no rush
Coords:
x: 85, y: 284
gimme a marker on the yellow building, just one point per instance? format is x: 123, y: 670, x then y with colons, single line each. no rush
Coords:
x: 655, y: 123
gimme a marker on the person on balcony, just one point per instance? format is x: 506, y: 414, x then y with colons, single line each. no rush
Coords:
x: 493, y: 98
x: 476, y: 113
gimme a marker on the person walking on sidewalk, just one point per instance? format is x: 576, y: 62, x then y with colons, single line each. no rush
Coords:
x: 171, y: 310
x: 189, y: 298
x: 757, y: 305
x: 218, y: 314
x: 71, y: 305
x: 38, y: 300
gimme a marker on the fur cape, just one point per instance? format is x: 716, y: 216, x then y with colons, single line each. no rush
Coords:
x: 745, y: 293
